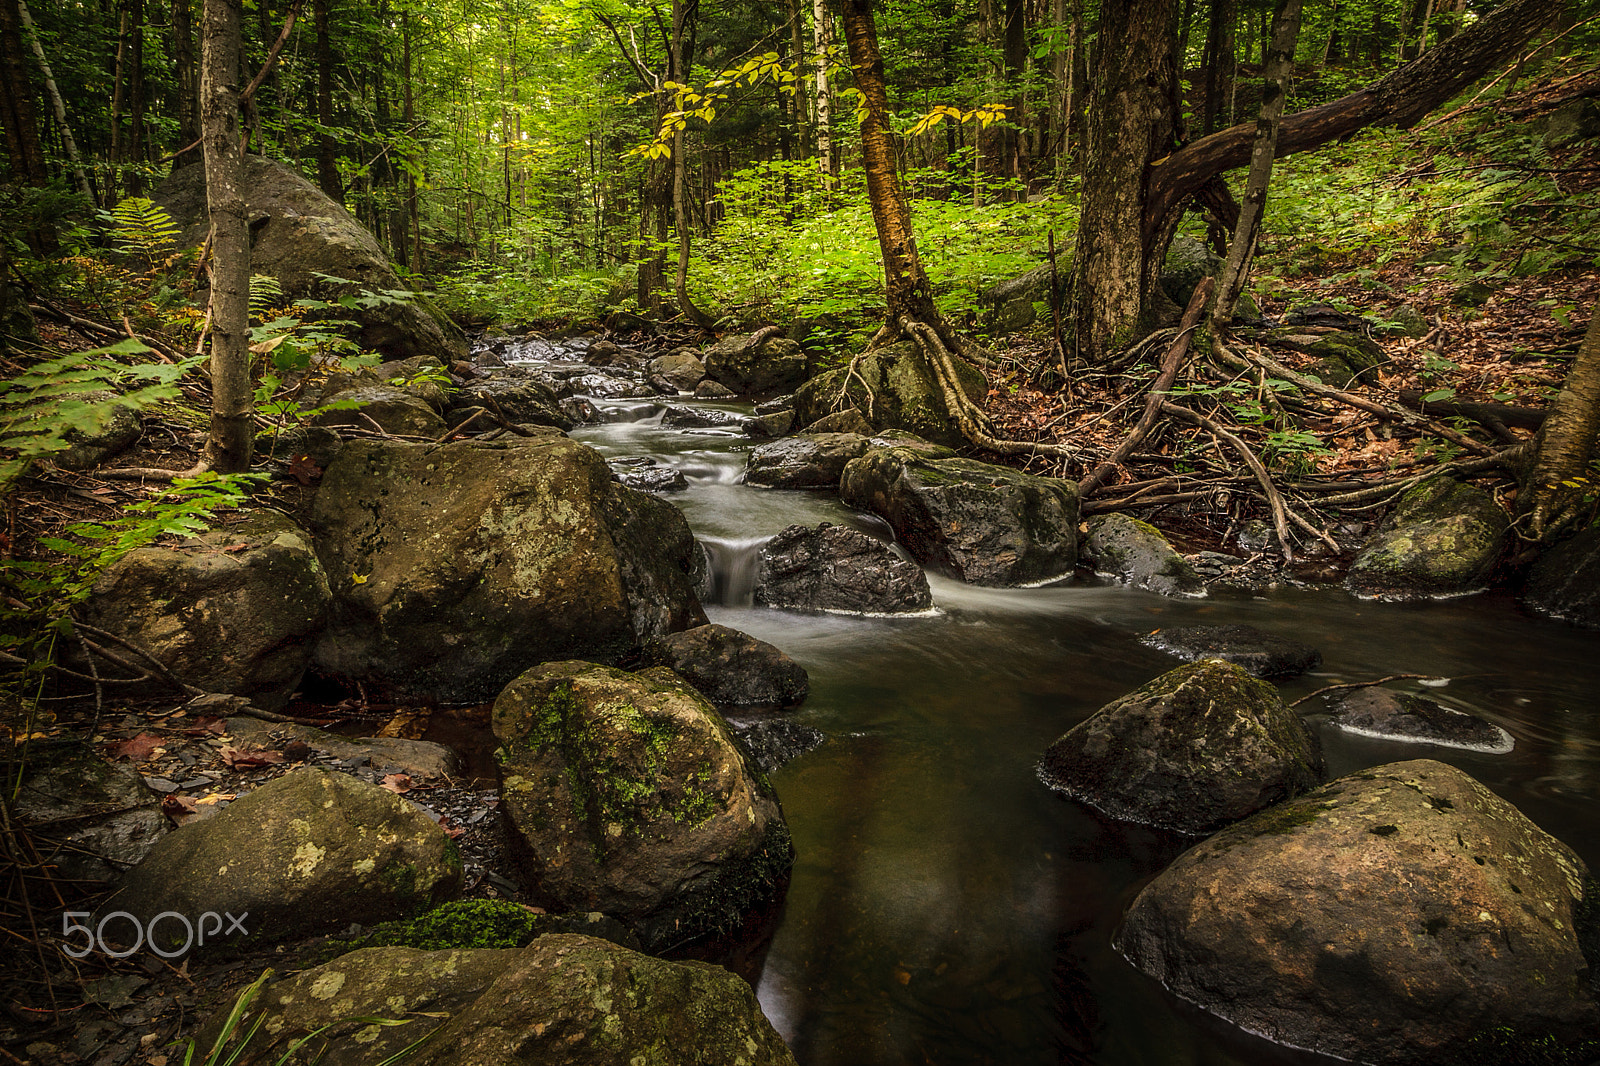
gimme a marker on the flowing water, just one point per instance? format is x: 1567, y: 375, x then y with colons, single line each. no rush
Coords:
x: 945, y: 907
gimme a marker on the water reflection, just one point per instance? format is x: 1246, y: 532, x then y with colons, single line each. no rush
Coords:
x: 945, y: 907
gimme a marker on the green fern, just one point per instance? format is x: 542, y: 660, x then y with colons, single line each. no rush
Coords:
x: 142, y: 228
x: 46, y: 407
x: 266, y: 295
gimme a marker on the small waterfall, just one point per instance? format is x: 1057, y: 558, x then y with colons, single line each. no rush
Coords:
x: 730, y: 570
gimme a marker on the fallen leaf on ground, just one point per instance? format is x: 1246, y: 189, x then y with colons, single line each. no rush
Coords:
x: 397, y: 783
x: 181, y: 809
x: 217, y: 797
x: 243, y: 758
x: 137, y: 748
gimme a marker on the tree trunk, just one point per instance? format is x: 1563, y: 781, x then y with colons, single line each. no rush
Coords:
x: 136, y: 94
x: 678, y: 65
x: 228, y: 446
x: 1560, y: 471
x: 327, y: 148
x: 1218, y: 64
x: 409, y: 115
x: 188, y: 84
x: 1275, y: 86
x: 1130, y: 125
x: 908, y: 295
x: 822, y: 20
x: 1133, y: 194
x: 59, y: 106
x: 25, y: 154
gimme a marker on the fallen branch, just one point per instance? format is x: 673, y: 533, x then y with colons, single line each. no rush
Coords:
x: 1280, y: 511
x: 1367, y: 684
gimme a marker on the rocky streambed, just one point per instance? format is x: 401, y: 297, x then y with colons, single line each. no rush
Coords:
x: 1002, y: 757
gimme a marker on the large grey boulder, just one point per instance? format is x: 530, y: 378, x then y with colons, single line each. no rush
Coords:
x: 235, y: 610
x: 457, y: 567
x: 730, y: 668
x: 627, y: 795
x: 984, y: 524
x: 297, y: 233
x: 1443, y: 537
x: 905, y: 395
x: 1397, y: 915
x: 1565, y: 582
x: 1198, y: 747
x: 836, y: 569
x: 757, y: 367
x: 390, y: 409
x: 680, y: 368
x: 308, y: 853
x: 1137, y: 554
x: 804, y: 461
x: 93, y: 818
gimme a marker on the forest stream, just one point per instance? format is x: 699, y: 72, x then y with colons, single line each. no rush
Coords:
x: 945, y: 906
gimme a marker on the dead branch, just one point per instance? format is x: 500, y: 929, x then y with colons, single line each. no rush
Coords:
x: 1367, y: 684
x: 1280, y: 519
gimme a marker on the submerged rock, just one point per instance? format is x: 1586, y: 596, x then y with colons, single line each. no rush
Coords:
x: 832, y: 568
x: 1397, y: 915
x: 804, y: 461
x: 1137, y: 554
x: 905, y: 395
x: 564, y: 999
x: 1262, y: 654
x: 94, y: 819
x: 308, y: 853
x: 237, y: 609
x: 1198, y: 747
x: 647, y: 475
x: 730, y: 668
x: 774, y: 741
x: 627, y: 795
x: 457, y: 567
x: 984, y: 524
x: 1444, y: 537
x: 1390, y: 715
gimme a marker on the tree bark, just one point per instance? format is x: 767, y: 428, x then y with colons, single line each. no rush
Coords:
x: 1130, y: 124
x: 228, y: 447
x: 16, y: 101
x: 1218, y: 63
x: 59, y: 106
x: 1274, y: 88
x: 188, y: 83
x: 822, y: 28
x: 327, y: 149
x: 907, y: 291
x: 1558, y: 479
x: 136, y: 94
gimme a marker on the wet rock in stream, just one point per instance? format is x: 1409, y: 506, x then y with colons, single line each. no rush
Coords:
x: 835, y: 569
x: 1401, y: 716
x: 1264, y: 655
x: 730, y: 668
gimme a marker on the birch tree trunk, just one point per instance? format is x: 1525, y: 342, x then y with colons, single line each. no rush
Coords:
x: 228, y: 446
x: 823, y: 30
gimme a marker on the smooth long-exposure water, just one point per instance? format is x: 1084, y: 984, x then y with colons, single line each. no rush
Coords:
x: 946, y: 907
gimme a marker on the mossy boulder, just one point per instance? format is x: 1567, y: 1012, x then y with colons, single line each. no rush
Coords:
x: 455, y: 568
x: 627, y: 795
x: 752, y: 367
x: 1138, y: 554
x: 984, y: 524
x: 1565, y: 581
x: 94, y: 818
x: 730, y: 668
x: 302, y: 238
x: 306, y: 854
x: 237, y: 609
x: 1198, y: 747
x: 904, y: 394
x: 680, y: 368
x: 804, y: 461
x: 1444, y: 537
x: 488, y: 923
x: 88, y: 449
x: 1013, y: 304
x: 1343, y: 358
x: 1403, y: 914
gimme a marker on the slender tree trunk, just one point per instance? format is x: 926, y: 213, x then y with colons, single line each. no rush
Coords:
x: 822, y: 20
x: 1218, y: 64
x: 119, y: 80
x: 228, y: 447
x: 1275, y: 86
x: 136, y: 96
x: 797, y: 48
x: 1566, y: 444
x: 56, y: 103
x: 327, y: 147
x: 678, y: 65
x: 409, y: 115
x: 908, y: 294
x: 188, y: 88
x: 24, y: 151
